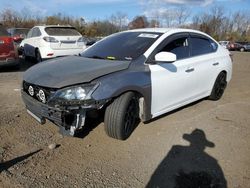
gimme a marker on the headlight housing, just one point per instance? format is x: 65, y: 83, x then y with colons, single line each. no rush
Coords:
x: 73, y: 95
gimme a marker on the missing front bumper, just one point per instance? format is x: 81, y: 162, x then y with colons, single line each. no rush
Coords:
x: 68, y: 121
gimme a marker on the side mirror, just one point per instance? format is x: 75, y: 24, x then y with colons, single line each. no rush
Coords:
x: 165, y: 57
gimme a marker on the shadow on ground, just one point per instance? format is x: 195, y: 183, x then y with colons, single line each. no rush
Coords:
x: 189, y: 166
x: 91, y: 122
x: 6, y: 165
x: 89, y: 126
x: 23, y: 66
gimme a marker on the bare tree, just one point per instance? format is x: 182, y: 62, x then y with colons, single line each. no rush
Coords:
x: 182, y: 14
x: 120, y: 20
x: 138, y: 22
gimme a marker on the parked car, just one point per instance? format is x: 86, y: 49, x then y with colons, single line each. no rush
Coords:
x: 90, y: 41
x: 18, y: 34
x: 224, y: 44
x: 245, y: 47
x: 8, y: 53
x: 45, y: 42
x: 234, y: 46
x: 132, y: 75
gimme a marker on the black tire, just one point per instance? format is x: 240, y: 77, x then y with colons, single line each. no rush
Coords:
x: 24, y: 56
x: 38, y: 56
x: 219, y: 87
x: 122, y: 116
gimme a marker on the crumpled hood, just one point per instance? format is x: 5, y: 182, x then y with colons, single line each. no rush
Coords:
x: 62, y: 72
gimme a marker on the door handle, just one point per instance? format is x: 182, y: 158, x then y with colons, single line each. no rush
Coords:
x: 215, y: 64
x: 190, y: 70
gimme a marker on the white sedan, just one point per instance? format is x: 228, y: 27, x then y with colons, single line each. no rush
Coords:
x: 132, y: 75
x: 45, y: 42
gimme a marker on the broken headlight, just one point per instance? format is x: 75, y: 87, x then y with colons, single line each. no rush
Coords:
x: 73, y: 95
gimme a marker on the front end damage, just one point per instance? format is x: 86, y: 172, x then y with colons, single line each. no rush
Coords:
x: 70, y: 115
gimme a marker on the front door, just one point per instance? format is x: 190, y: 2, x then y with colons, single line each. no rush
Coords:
x: 173, y: 83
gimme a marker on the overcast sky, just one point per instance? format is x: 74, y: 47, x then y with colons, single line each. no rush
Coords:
x: 102, y: 9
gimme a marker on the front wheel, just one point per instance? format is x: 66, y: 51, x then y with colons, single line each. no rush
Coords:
x: 219, y: 87
x: 122, y: 116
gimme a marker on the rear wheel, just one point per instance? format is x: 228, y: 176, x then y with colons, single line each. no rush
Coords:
x: 24, y: 56
x: 219, y: 87
x: 242, y: 49
x: 122, y: 116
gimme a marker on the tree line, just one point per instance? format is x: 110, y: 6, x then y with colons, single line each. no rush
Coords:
x: 217, y: 22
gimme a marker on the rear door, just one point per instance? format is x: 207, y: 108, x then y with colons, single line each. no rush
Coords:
x: 6, y: 44
x: 4, y: 41
x: 206, y: 62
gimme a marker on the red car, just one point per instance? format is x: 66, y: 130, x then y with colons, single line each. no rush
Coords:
x: 8, y: 52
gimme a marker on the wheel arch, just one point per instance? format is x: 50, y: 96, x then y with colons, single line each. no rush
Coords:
x: 143, y: 99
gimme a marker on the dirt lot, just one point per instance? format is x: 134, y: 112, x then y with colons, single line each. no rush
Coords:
x: 157, y: 154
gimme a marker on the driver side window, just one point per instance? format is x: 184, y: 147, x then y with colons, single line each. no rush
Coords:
x: 178, y: 46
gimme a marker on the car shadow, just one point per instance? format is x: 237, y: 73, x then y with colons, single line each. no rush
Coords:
x: 90, y: 124
x: 6, y: 165
x: 189, y: 166
x: 24, y: 65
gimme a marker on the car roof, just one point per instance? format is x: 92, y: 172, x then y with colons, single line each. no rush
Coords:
x: 165, y: 30
x: 43, y: 26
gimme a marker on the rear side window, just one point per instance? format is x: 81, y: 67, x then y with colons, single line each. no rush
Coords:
x: 29, y: 33
x: 62, y: 31
x: 202, y: 45
x: 36, y: 32
x: 3, y: 31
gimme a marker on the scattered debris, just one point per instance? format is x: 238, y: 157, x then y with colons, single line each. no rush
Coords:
x: 52, y: 146
x: 221, y: 119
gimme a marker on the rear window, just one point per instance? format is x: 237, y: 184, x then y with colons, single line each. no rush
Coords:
x: 3, y: 31
x: 62, y: 31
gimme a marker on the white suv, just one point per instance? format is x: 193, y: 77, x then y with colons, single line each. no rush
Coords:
x: 44, y: 42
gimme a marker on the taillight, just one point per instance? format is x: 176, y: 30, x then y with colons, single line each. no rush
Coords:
x: 50, y: 39
x: 8, y: 42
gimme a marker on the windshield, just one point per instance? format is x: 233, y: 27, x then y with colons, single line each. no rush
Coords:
x: 62, y: 31
x: 122, y: 46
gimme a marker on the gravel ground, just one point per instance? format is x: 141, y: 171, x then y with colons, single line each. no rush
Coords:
x: 206, y: 144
